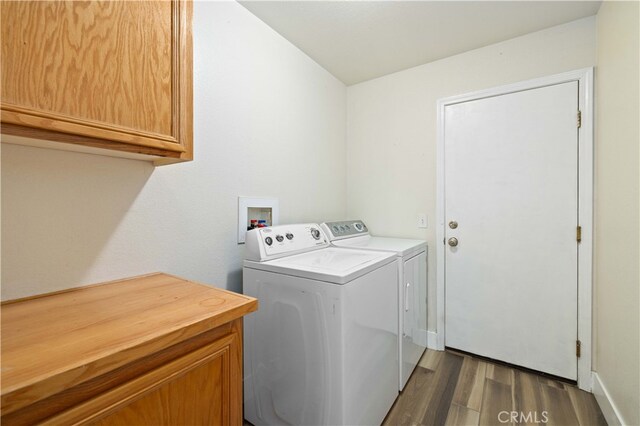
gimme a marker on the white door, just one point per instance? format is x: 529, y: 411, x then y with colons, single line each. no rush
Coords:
x: 511, y: 185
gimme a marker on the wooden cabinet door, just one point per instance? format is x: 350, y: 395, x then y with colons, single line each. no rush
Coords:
x: 203, y: 387
x: 107, y: 74
x: 198, y: 397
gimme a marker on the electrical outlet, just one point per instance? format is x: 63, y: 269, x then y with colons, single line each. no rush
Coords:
x: 422, y: 220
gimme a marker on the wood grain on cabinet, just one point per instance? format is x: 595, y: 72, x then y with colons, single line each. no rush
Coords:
x: 105, y: 352
x: 113, y: 75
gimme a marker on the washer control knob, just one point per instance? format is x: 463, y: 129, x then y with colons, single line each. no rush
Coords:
x: 315, y: 233
x: 268, y: 240
x: 289, y: 236
x: 280, y: 238
x: 358, y: 226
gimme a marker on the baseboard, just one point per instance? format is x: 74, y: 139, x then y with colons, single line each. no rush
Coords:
x: 432, y: 340
x: 611, y: 413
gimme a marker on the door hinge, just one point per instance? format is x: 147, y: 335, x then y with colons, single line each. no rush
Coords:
x: 579, y: 119
x: 578, y: 348
x: 578, y: 233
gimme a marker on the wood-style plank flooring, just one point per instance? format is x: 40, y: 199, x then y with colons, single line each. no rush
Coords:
x: 450, y: 388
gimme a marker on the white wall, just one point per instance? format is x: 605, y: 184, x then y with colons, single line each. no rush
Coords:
x: 267, y: 121
x: 392, y: 125
x: 617, y: 196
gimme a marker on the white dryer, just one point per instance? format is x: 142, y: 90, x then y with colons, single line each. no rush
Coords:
x: 412, y: 289
x: 322, y: 347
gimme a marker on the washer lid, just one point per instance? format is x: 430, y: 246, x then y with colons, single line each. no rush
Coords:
x: 332, y: 264
x: 400, y: 246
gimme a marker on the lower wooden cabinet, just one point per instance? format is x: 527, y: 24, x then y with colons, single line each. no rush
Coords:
x: 198, y: 396
x: 178, y: 362
x: 202, y: 387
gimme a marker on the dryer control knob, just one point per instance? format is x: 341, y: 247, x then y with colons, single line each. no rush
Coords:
x: 268, y: 240
x: 280, y: 238
x: 289, y: 236
x: 315, y: 233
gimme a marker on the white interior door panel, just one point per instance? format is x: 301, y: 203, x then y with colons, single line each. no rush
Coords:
x: 511, y: 184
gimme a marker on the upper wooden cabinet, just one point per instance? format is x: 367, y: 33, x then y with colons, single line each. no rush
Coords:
x: 114, y: 75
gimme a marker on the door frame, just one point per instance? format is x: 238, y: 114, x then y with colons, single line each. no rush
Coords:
x: 584, y: 77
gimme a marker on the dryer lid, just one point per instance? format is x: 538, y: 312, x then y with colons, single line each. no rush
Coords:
x: 400, y: 246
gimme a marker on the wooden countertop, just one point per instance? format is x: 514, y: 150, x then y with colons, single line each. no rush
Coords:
x: 54, y: 341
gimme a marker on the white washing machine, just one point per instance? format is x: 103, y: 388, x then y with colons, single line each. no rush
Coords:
x: 412, y: 289
x: 322, y: 347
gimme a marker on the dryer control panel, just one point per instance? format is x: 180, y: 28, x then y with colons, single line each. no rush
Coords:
x: 283, y: 240
x: 345, y: 229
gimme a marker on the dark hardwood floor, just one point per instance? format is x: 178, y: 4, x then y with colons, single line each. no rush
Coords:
x: 451, y: 388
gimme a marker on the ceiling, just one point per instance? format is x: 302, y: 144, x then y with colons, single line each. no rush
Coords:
x: 360, y: 40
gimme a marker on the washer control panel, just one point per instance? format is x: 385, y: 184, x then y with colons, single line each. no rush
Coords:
x: 344, y: 229
x: 277, y: 241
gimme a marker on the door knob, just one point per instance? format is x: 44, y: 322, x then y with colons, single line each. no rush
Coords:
x: 453, y: 224
x: 453, y: 241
